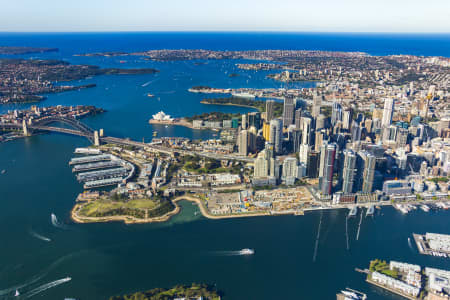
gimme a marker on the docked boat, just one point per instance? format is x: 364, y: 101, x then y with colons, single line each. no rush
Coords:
x: 353, y: 211
x: 370, y: 210
x: 350, y: 295
x: 425, y: 208
x: 247, y: 251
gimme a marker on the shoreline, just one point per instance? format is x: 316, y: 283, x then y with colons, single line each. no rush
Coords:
x: 180, y: 122
x: 204, y: 211
x: 229, y: 104
x: 389, y: 289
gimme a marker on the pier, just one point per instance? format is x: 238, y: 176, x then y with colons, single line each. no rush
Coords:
x: 96, y: 165
x: 89, y: 159
x: 102, y: 174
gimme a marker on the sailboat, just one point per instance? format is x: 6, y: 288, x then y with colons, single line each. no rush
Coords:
x: 17, y: 294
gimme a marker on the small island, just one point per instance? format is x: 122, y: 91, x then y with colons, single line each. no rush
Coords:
x: 194, y: 291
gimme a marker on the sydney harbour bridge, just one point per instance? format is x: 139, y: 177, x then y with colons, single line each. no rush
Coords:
x: 78, y: 128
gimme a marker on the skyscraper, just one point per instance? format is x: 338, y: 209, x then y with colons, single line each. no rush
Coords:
x: 288, y: 111
x: 266, y: 131
x: 320, y: 122
x: 312, y: 167
x: 289, y: 170
x: 327, y: 160
x: 298, y: 118
x: 296, y: 139
x: 348, y: 171
x: 369, y: 161
x: 276, y: 134
x: 244, y: 121
x: 336, y: 113
x: 317, y: 103
x: 254, y: 119
x: 388, y: 112
x: 261, y: 165
x: 307, y: 131
x: 243, y: 142
x: 347, y: 116
x: 356, y: 132
x: 270, y: 106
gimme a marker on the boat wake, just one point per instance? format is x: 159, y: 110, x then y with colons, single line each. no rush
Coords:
x: 46, y: 286
x: 359, y: 226
x: 40, y: 237
x: 56, y: 223
x: 37, y: 277
x: 148, y: 82
x: 316, y: 247
x: 410, y: 244
x: 234, y: 253
x: 346, y: 232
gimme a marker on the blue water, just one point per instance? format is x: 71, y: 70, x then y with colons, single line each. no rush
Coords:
x: 375, y: 43
x: 109, y: 259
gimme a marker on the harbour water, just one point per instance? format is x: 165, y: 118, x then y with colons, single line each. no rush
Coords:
x: 291, y: 258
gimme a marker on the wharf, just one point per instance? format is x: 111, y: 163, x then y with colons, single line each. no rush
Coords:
x: 89, y: 159
x: 96, y: 165
x: 102, y: 174
x: 397, y: 292
x: 103, y: 182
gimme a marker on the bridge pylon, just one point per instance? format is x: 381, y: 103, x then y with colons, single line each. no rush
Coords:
x: 96, y: 138
x: 25, y: 128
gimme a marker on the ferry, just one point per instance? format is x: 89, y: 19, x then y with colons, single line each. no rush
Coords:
x: 247, y: 251
x: 425, y: 208
x: 350, y: 295
x: 353, y: 211
x: 370, y: 211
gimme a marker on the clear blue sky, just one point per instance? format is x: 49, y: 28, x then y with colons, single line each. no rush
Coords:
x: 226, y: 15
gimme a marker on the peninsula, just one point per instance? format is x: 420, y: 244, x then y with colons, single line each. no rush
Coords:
x: 25, y: 80
x: 8, y: 50
x: 194, y: 291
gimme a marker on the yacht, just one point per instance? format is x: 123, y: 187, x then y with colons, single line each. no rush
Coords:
x: 425, y: 208
x: 17, y: 294
x: 247, y: 251
x: 353, y: 211
x: 370, y: 211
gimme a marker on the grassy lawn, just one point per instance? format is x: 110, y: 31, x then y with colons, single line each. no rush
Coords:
x: 102, y: 206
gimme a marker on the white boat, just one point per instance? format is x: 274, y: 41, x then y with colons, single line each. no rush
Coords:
x: 353, y: 211
x: 370, y: 210
x: 17, y: 294
x: 3, y: 171
x: 425, y: 207
x: 247, y: 251
x: 350, y: 295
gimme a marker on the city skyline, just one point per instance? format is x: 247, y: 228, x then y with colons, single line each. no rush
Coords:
x: 199, y: 15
